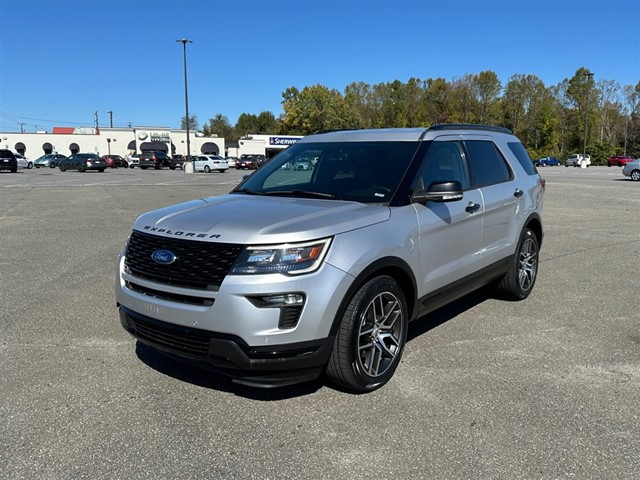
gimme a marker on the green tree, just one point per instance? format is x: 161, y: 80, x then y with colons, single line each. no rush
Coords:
x: 314, y: 109
x: 220, y: 126
x: 193, y: 122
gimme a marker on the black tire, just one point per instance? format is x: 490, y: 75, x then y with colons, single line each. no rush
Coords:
x: 101, y: 170
x: 81, y: 168
x: 29, y: 165
x: 221, y: 171
x: 518, y: 282
x: 14, y: 170
x: 635, y: 175
x: 143, y: 168
x: 371, y: 337
x: 207, y: 169
x: 61, y: 168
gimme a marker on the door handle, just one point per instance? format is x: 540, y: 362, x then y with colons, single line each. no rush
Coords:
x: 472, y: 207
x: 518, y: 193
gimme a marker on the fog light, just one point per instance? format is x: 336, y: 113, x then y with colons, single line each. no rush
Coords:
x: 286, y: 300
x: 290, y: 305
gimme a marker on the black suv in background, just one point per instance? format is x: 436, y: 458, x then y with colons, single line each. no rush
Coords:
x: 155, y: 159
x: 8, y: 161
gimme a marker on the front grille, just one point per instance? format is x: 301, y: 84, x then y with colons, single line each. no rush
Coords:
x: 173, y: 297
x: 199, y: 265
x: 184, y: 341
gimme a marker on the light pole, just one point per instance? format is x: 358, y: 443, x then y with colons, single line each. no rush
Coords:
x: 589, y: 75
x: 184, y: 42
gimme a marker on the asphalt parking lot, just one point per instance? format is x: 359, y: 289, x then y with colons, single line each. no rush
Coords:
x: 548, y: 388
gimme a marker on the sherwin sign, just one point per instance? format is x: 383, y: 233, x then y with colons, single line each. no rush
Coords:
x: 282, y: 140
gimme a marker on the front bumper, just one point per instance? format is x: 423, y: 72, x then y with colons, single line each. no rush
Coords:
x: 262, y: 366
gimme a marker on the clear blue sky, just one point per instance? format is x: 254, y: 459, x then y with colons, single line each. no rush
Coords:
x: 62, y: 60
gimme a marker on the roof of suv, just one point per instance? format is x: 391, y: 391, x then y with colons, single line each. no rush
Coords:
x: 399, y: 134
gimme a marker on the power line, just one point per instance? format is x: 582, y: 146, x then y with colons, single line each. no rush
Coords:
x: 17, y: 118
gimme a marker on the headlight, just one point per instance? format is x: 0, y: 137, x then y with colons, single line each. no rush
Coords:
x: 290, y: 258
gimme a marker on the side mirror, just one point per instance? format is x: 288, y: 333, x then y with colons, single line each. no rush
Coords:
x: 439, y: 192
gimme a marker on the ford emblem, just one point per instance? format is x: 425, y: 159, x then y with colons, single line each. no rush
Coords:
x: 164, y: 257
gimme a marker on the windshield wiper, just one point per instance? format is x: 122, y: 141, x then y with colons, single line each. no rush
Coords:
x: 301, y: 194
x: 248, y: 191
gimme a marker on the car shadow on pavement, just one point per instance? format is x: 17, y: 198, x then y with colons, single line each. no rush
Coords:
x: 444, y: 314
x: 208, y: 379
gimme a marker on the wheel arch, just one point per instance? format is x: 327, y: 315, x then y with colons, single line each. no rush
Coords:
x: 395, y: 268
x: 534, y: 222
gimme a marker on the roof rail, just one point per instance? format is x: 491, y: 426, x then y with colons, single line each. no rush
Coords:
x: 458, y: 126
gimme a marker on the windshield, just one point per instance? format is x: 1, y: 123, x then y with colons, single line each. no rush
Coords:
x: 368, y: 172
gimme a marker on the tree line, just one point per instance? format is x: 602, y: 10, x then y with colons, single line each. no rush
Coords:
x: 550, y: 121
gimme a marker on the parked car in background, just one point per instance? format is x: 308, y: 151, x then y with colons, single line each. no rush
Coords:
x: 208, y: 163
x: 577, y: 159
x: 547, y: 162
x: 232, y: 161
x: 50, y: 160
x: 114, y: 161
x: 247, y: 161
x: 82, y: 162
x: 133, y: 160
x: 8, y: 161
x: 177, y: 161
x: 618, y: 160
x: 632, y: 170
x: 155, y: 159
x: 23, y: 162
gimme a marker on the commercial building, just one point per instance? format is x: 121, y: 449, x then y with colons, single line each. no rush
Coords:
x: 117, y: 141
x: 126, y: 141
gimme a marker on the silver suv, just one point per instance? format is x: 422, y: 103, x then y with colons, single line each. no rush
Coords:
x: 299, y: 272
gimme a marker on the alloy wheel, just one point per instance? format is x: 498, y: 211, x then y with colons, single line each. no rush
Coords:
x: 380, y: 335
x: 528, y: 264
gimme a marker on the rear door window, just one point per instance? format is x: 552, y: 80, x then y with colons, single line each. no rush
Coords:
x: 487, y: 165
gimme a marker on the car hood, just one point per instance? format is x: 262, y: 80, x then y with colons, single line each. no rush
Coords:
x: 244, y: 219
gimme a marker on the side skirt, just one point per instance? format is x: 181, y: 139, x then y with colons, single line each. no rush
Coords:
x: 462, y: 287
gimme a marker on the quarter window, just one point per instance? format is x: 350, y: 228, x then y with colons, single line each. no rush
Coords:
x: 487, y: 164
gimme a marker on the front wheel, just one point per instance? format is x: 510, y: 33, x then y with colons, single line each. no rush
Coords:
x: 371, y: 336
x: 518, y: 282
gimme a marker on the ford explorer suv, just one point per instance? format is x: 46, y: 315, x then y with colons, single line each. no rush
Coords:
x: 298, y: 273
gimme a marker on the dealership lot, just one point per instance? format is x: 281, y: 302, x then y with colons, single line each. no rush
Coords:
x: 546, y: 388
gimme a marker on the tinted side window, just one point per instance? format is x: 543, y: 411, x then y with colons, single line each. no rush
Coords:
x: 523, y: 157
x: 445, y: 162
x: 486, y: 163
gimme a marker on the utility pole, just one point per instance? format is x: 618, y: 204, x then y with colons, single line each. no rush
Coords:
x: 110, y: 112
x: 184, y: 42
x: 22, y: 127
x: 586, y: 113
x: 95, y: 114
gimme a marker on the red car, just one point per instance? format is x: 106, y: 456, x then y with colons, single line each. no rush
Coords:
x: 114, y: 161
x: 618, y: 160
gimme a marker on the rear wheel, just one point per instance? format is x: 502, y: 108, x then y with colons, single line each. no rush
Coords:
x: 101, y: 170
x: 518, y: 282
x: 206, y: 169
x: 635, y: 175
x: 371, y: 336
